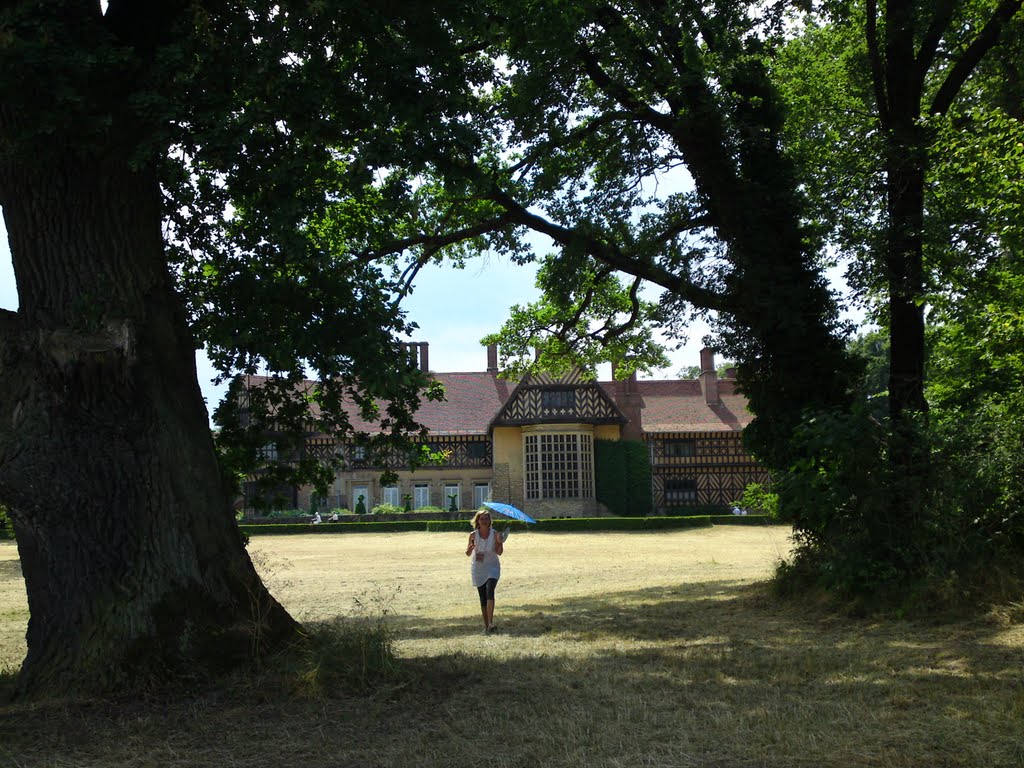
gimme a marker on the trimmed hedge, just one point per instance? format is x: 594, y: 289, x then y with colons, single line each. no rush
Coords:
x: 372, y: 527
x: 744, y: 520
x: 552, y: 525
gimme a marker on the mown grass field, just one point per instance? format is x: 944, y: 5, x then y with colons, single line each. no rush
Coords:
x: 614, y: 650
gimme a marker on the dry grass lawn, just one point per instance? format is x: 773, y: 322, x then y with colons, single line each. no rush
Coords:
x: 613, y: 650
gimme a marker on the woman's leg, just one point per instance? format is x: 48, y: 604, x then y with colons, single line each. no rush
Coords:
x: 482, y: 590
x: 489, y: 607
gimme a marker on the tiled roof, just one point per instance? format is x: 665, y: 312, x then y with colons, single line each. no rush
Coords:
x: 471, y: 400
x: 678, y: 406
x: 672, y: 405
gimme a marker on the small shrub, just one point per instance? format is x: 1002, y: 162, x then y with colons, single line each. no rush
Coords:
x: 6, y: 524
x: 387, y: 509
x: 274, y: 513
x: 341, y: 511
x: 361, y: 505
x: 352, y: 653
x: 759, y: 499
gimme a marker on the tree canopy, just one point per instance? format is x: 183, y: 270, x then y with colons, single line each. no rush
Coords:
x: 267, y: 179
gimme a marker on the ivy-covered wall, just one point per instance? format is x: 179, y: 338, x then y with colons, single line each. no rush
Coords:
x: 622, y: 480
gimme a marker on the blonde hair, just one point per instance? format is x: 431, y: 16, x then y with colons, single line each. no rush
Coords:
x: 475, y: 522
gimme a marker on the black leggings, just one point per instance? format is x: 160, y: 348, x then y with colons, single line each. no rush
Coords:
x: 486, y: 591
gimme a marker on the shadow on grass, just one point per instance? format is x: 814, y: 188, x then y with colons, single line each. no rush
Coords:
x: 707, y: 674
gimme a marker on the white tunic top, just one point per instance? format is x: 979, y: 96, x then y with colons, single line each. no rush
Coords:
x: 484, y: 562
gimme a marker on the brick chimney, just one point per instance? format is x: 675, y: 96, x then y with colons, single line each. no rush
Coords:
x: 708, y: 376
x: 629, y: 401
x: 492, y: 358
x: 418, y: 353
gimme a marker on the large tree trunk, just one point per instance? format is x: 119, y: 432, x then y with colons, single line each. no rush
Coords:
x: 132, y: 560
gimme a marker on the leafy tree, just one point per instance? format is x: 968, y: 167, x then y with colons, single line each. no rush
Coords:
x: 593, y: 107
x: 228, y: 129
x: 879, y: 95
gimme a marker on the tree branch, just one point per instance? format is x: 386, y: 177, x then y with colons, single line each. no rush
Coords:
x: 608, y: 254
x: 433, y: 241
x: 932, y: 37
x: 965, y: 65
x: 875, y: 57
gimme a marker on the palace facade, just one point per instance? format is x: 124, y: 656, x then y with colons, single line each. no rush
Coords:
x: 532, y: 443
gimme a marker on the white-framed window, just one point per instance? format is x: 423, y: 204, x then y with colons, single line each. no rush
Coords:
x: 680, y: 448
x: 392, y: 495
x: 680, y: 490
x: 420, y: 495
x: 559, y: 465
x: 450, y: 490
x: 481, y: 493
x: 269, y: 452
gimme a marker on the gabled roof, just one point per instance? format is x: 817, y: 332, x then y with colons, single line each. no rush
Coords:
x: 591, y: 403
x: 475, y: 400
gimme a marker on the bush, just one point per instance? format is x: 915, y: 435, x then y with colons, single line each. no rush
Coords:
x: 350, y: 654
x: 6, y: 524
x: 277, y: 513
x: 757, y: 497
x: 387, y: 509
x: 945, y: 535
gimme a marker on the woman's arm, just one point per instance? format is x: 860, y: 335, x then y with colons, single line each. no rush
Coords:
x: 499, y: 543
x: 472, y: 544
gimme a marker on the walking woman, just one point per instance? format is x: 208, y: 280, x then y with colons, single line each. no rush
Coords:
x: 485, y: 545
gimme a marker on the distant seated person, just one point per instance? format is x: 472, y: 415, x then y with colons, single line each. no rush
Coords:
x: 737, y: 511
x: 334, y: 517
x: 316, y: 518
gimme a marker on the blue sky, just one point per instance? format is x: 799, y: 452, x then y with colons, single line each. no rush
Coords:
x: 453, y: 308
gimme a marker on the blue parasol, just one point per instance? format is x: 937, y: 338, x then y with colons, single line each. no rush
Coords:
x: 509, y: 511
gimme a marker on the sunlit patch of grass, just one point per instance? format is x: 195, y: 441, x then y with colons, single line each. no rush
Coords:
x: 605, y: 658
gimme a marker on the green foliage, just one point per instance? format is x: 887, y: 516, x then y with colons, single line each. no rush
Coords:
x: 538, y: 335
x: 963, y: 541
x: 348, y: 654
x: 387, y: 509
x: 638, y: 478
x: 381, y: 526
x: 6, y: 524
x: 757, y: 497
x: 360, y: 505
x: 452, y: 506
x: 274, y: 513
x: 622, y: 474
x: 610, y: 476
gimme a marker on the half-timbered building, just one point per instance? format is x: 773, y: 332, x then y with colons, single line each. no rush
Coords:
x: 532, y: 443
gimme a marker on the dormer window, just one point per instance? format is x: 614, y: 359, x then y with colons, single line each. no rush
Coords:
x: 558, y: 399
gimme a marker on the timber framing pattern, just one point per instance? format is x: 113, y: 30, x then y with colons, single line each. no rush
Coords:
x: 532, y: 444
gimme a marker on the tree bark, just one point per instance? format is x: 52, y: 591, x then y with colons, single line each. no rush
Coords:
x: 133, y: 563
